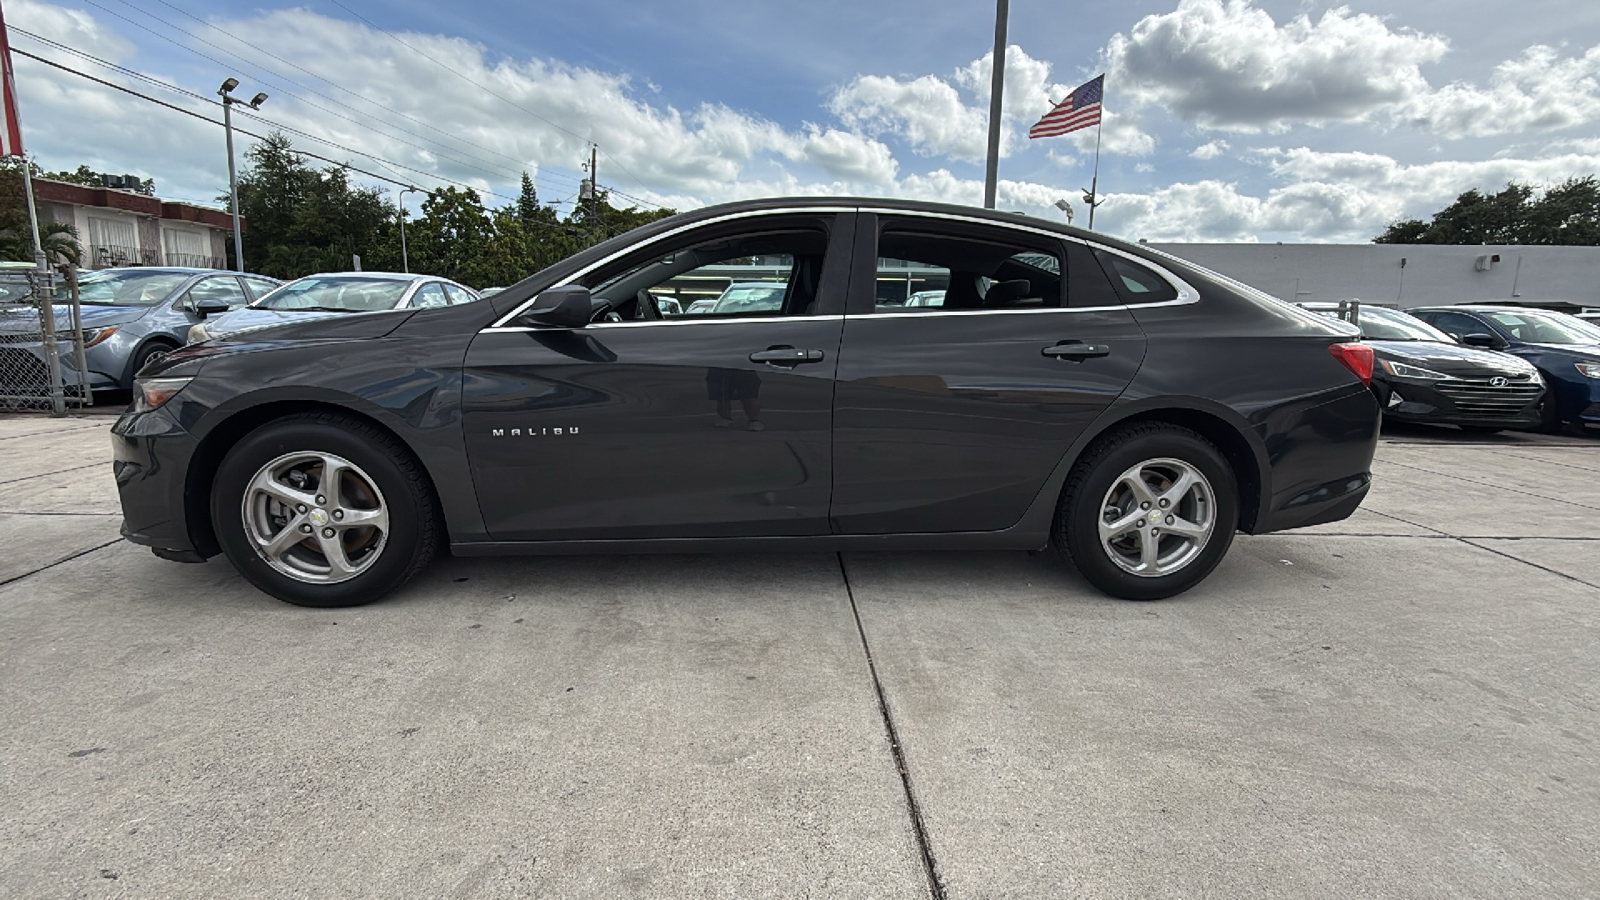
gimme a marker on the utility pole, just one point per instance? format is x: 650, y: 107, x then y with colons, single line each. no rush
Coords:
x: 594, y: 184
x: 228, y: 100
x: 997, y: 83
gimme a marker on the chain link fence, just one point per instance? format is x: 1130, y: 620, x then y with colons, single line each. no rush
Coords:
x: 41, y: 344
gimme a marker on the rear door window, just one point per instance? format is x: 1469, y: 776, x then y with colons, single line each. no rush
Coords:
x: 985, y: 269
x: 430, y: 296
x: 458, y: 294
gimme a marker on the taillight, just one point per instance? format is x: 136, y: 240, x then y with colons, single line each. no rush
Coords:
x: 1358, y: 358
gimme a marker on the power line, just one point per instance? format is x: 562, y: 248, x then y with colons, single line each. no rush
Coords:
x: 192, y: 114
x: 490, y: 91
x: 226, y: 64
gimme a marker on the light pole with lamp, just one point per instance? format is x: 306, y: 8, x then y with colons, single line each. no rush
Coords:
x: 228, y: 100
x: 405, y: 261
x: 1065, y: 207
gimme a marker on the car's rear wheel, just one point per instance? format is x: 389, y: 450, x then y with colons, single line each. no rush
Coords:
x: 1148, y: 511
x: 324, y: 509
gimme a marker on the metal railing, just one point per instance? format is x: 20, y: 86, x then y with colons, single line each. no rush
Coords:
x: 110, y: 256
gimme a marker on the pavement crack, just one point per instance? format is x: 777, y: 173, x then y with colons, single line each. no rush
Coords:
x: 930, y: 866
x: 57, y: 472
x: 1473, y: 542
x: 1491, y: 484
x: 50, y: 565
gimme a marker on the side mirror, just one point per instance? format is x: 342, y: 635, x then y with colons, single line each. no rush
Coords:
x: 568, y: 306
x: 1478, y: 339
x: 209, y: 307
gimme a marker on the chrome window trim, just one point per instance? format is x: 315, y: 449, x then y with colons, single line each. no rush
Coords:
x: 500, y: 324
x: 1032, y: 311
x: 1187, y: 294
x: 742, y: 320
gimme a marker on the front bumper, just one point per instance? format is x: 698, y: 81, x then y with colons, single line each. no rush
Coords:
x: 150, y: 461
x: 26, y: 362
x: 1461, y: 402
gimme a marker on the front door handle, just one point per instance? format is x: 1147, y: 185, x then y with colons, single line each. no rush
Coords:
x: 786, y: 356
x: 1076, y: 351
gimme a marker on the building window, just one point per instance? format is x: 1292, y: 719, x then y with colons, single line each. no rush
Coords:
x: 182, y: 247
x: 112, y: 242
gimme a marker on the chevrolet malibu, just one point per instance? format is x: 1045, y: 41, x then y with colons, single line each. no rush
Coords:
x: 1126, y: 408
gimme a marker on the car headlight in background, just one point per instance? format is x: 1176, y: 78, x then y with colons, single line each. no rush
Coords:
x: 1401, y: 370
x: 91, y: 336
x: 1589, y: 370
x: 197, y: 333
x: 151, y: 393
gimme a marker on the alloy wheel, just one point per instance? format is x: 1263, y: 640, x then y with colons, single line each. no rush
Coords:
x: 1157, y: 517
x: 315, y: 517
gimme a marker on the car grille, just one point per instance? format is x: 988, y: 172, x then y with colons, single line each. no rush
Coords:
x: 1477, y: 397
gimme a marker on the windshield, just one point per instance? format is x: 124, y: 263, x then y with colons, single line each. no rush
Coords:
x: 1546, y: 327
x: 1388, y: 325
x: 125, y: 288
x: 750, y: 298
x: 336, y: 295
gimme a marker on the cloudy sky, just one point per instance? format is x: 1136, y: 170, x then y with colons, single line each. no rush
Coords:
x: 1227, y: 120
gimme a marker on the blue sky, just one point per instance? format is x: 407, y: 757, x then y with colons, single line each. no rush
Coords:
x: 1228, y: 119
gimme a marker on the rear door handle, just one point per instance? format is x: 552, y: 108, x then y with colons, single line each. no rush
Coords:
x: 786, y: 356
x: 1076, y: 351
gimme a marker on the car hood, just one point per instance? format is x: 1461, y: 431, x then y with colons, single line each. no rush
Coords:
x: 1449, y: 359
x: 14, y: 321
x: 246, y: 319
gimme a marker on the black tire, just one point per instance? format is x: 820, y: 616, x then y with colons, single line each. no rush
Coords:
x: 1480, y: 429
x: 414, y: 522
x: 150, y: 351
x: 1076, y: 532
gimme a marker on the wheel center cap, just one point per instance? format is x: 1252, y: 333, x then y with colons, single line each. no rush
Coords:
x: 319, y: 517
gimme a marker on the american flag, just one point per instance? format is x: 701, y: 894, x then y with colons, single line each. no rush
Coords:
x: 1080, y: 110
x: 10, y: 127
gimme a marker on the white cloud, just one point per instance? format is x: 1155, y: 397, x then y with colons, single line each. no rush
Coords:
x: 1228, y: 64
x: 948, y: 116
x: 1539, y: 91
x: 1209, y: 150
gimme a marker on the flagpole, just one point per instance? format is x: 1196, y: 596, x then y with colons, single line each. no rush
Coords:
x: 997, y: 80
x: 1094, y: 183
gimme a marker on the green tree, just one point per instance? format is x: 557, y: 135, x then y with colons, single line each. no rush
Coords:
x: 1568, y: 213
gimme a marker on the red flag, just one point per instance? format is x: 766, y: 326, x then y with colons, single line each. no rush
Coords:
x: 11, y: 133
x: 1080, y: 110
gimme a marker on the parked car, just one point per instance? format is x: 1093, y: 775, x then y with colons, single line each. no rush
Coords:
x: 926, y: 298
x: 1565, y: 349
x: 333, y: 294
x: 1423, y: 375
x: 134, y: 315
x: 1129, y: 409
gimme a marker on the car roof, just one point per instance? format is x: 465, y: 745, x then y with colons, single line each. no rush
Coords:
x: 379, y: 276
x: 175, y: 270
x: 1486, y: 307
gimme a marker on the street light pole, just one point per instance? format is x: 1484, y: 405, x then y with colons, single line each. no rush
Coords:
x: 405, y: 261
x: 997, y: 84
x: 228, y: 100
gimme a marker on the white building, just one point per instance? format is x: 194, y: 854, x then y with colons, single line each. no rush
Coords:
x: 124, y: 228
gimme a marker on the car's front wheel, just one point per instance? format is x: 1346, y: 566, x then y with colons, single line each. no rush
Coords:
x: 324, y: 509
x: 1148, y: 511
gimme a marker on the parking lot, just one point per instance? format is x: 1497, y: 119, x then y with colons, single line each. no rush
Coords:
x: 1403, y: 705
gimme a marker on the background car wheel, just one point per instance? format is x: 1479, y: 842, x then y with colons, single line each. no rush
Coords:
x: 325, y: 510
x: 149, y: 353
x: 1148, y: 511
x: 1549, y: 422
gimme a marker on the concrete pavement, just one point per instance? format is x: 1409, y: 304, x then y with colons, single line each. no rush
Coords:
x: 1401, y: 705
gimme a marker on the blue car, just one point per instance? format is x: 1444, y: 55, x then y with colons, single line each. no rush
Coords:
x: 134, y: 315
x: 1564, y: 348
x: 319, y: 296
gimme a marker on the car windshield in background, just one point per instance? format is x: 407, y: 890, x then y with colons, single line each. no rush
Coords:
x: 128, y: 288
x: 753, y: 298
x: 1387, y: 325
x: 1545, y: 328
x: 336, y: 295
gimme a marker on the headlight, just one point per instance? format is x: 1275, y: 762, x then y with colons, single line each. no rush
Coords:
x: 150, y: 393
x: 1401, y: 370
x: 197, y: 333
x: 92, y: 336
x: 1590, y: 370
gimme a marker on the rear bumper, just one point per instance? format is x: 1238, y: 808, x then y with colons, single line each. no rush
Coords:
x: 1321, y: 463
